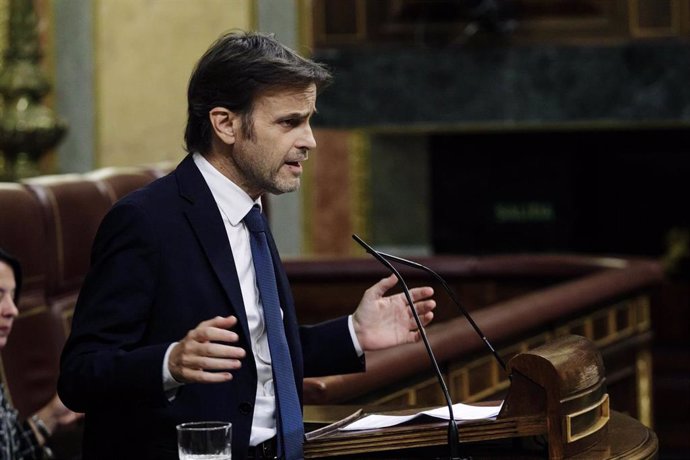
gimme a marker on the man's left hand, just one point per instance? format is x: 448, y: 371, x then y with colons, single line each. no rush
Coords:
x: 382, y: 322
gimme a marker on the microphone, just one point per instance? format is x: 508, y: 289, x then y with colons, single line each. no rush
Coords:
x: 451, y: 294
x: 453, y: 442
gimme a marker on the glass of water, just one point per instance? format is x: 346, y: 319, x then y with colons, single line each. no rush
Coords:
x: 204, y: 440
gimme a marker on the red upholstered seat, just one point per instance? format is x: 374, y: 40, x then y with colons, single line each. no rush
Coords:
x: 30, y: 358
x: 73, y: 208
x: 49, y: 223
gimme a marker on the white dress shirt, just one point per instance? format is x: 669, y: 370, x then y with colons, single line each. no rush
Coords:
x: 234, y: 204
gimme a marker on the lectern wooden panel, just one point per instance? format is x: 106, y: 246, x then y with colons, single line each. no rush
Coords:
x: 557, y: 393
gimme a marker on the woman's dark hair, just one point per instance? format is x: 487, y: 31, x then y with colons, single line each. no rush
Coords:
x: 237, y: 68
x: 16, y: 268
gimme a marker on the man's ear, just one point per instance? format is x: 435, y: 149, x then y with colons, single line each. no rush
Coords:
x: 225, y: 124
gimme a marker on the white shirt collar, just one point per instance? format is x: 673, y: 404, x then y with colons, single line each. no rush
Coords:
x: 230, y: 198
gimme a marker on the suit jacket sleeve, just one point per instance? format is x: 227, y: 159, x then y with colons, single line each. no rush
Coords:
x: 328, y: 349
x: 102, y: 362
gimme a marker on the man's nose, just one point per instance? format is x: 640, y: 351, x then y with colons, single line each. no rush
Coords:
x: 307, y: 140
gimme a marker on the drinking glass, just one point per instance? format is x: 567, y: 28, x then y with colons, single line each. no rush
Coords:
x: 204, y: 440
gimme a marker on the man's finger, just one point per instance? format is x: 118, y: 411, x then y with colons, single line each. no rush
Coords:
x: 201, y: 376
x: 421, y: 293
x: 425, y: 306
x: 208, y: 363
x: 380, y: 288
x: 222, y: 322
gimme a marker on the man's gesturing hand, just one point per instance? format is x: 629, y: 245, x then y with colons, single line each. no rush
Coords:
x: 382, y: 322
x: 205, y: 354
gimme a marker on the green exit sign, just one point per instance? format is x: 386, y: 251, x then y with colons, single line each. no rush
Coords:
x: 524, y: 212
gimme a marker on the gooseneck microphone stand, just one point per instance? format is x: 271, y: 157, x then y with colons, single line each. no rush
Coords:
x: 453, y: 441
x: 452, y: 296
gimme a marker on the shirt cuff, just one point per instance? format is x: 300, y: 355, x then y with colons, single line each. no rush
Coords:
x: 170, y: 385
x: 353, y: 335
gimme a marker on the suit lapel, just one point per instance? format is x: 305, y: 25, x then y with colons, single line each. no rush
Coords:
x: 204, y: 218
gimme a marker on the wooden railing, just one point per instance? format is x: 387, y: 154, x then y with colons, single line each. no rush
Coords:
x: 519, y: 302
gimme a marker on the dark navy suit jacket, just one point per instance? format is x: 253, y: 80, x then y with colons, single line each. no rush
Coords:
x: 161, y: 264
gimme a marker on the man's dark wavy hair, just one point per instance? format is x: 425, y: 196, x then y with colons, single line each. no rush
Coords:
x: 16, y: 268
x: 236, y: 69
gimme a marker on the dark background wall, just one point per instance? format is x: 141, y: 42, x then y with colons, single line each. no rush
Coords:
x: 531, y: 148
x: 599, y: 191
x: 508, y: 85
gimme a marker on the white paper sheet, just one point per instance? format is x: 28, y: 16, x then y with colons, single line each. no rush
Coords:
x: 460, y: 411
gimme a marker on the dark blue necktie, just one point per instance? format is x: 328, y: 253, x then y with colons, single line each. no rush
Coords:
x: 289, y: 419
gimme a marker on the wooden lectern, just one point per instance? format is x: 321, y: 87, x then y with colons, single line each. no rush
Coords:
x: 557, y: 396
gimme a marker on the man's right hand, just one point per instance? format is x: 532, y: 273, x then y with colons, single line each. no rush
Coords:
x: 205, y: 354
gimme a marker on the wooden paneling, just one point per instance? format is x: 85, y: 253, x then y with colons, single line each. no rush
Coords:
x: 366, y: 22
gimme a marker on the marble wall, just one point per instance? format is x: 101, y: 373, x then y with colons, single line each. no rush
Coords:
x: 504, y: 86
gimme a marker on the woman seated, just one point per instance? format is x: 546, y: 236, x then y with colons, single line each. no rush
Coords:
x: 23, y: 440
